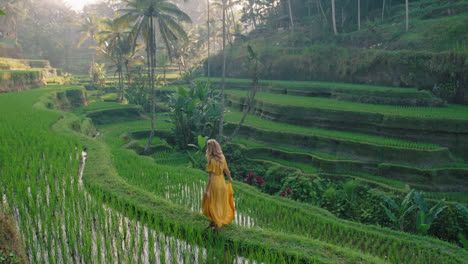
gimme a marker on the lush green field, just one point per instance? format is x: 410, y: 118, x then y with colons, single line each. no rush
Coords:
x: 157, y: 206
x: 303, y: 85
x: 253, y: 144
x: 449, y: 112
x: 234, y: 116
x: 274, y: 214
x: 42, y: 189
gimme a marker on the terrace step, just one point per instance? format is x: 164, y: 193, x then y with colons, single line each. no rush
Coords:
x: 354, y: 146
x: 433, y: 180
x: 339, y: 91
x: 446, y: 126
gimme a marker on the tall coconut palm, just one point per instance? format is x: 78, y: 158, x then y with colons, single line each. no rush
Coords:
x: 90, y: 27
x: 150, y: 17
x: 116, y: 48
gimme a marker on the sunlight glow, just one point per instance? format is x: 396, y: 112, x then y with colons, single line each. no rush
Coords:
x: 77, y: 5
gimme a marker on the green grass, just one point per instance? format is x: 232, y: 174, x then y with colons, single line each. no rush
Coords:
x: 275, y: 213
x: 100, y: 106
x: 253, y: 144
x: 255, y: 121
x: 40, y: 152
x: 17, y: 75
x: 306, y: 168
x: 8, y: 64
x: 449, y: 112
x: 293, y: 164
x: 451, y: 196
x: 307, y: 85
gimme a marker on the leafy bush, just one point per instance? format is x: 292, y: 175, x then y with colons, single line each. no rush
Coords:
x: 194, y: 112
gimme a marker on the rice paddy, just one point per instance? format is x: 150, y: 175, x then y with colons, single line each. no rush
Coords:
x: 449, y: 112
x: 118, y: 207
x: 234, y: 116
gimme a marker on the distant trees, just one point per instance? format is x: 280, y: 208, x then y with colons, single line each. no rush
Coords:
x: 334, y: 15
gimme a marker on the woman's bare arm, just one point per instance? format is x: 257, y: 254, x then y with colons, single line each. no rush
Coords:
x: 227, y: 172
x: 208, y: 187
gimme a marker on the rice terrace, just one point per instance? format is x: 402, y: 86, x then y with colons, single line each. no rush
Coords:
x: 233, y: 131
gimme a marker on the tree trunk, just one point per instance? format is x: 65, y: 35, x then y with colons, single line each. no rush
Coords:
x: 120, y: 75
x: 319, y: 6
x: 359, y: 14
x: 383, y: 9
x: 407, y: 15
x: 221, y: 121
x: 208, y: 25
x: 151, y: 64
x: 290, y: 15
x: 334, y: 17
x: 249, y: 100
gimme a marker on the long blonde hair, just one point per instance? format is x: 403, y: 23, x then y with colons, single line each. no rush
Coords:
x: 214, y: 151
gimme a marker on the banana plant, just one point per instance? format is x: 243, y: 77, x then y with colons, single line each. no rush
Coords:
x: 397, y: 212
x: 464, y: 211
x: 425, y: 216
x: 197, y: 159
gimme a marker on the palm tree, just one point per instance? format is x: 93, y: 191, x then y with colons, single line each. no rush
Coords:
x: 148, y: 17
x: 116, y: 48
x: 90, y: 27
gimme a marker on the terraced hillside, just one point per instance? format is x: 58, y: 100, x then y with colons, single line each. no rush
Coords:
x: 422, y: 146
x: 17, y: 75
x: 154, y: 200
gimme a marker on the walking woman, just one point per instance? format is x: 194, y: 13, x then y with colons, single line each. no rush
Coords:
x: 218, y: 201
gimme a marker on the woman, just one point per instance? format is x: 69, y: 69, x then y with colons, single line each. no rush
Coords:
x: 218, y: 202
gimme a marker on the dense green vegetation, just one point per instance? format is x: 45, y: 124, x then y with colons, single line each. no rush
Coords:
x: 234, y: 116
x: 450, y: 112
x: 343, y: 124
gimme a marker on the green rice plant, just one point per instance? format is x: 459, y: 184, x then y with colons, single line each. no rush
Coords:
x: 275, y: 217
x: 152, y: 184
x: 254, y: 121
x: 58, y: 219
x: 449, y: 112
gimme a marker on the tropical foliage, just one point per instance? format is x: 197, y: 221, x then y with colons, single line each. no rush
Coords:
x: 194, y: 111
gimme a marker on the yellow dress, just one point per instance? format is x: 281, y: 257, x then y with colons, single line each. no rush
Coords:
x: 219, y: 208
